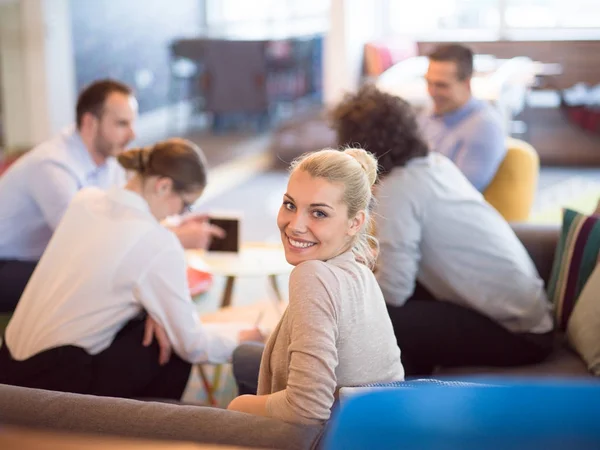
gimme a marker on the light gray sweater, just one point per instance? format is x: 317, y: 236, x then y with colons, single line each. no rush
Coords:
x: 336, y: 332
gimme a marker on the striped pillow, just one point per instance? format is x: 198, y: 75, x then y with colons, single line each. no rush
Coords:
x: 575, y: 259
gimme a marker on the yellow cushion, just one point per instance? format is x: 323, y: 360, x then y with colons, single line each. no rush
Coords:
x: 513, y: 188
x: 4, y: 319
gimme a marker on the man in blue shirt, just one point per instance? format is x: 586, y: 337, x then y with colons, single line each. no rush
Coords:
x: 36, y: 190
x: 465, y: 129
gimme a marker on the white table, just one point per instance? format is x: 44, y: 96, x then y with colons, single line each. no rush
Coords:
x: 253, y: 260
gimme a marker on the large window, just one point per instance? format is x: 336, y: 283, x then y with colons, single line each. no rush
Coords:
x: 434, y: 20
x: 494, y: 19
x: 552, y: 13
x: 267, y: 15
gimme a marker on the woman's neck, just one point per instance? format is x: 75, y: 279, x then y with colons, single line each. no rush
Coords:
x: 135, y: 184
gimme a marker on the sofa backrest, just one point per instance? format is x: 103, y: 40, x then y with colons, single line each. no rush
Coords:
x: 378, y: 56
x: 540, y: 241
x: 36, y: 408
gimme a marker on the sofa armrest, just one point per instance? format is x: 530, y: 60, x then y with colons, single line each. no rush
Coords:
x: 36, y: 408
x: 540, y: 241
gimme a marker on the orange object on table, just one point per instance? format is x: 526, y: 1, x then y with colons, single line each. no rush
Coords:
x: 199, y: 281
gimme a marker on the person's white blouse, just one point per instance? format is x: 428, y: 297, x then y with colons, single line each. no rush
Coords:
x: 108, y: 260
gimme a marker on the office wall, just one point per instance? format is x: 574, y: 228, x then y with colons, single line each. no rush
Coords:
x: 129, y: 40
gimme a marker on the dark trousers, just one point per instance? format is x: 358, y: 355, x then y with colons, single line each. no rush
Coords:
x: 125, y: 369
x: 432, y: 333
x: 14, y: 276
x: 246, y: 365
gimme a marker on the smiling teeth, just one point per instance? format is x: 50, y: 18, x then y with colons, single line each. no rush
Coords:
x: 300, y: 244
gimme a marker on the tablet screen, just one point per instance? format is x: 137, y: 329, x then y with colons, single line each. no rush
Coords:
x: 231, y: 241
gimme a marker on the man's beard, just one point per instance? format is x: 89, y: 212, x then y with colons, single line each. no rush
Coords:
x: 104, y: 148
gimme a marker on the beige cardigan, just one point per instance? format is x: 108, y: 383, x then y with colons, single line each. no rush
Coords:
x: 336, y: 332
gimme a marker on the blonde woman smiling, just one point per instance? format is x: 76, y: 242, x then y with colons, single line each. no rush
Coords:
x: 336, y: 331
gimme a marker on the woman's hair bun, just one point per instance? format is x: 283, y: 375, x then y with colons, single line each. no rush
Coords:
x: 366, y: 160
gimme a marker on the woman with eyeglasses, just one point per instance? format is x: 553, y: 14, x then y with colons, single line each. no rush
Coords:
x: 110, y: 278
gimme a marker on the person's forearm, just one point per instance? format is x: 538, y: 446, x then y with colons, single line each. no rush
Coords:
x: 180, y: 236
x: 250, y: 404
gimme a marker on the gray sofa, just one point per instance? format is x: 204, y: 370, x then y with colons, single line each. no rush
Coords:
x: 151, y: 420
x: 35, y: 408
x: 540, y: 242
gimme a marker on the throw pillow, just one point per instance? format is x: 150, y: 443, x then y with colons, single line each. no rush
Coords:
x: 575, y: 259
x: 583, y: 329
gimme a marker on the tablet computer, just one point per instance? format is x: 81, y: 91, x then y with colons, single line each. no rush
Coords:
x: 230, y: 223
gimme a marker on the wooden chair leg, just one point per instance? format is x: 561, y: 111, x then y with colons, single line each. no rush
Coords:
x: 208, y: 386
x: 228, y: 292
x: 217, y: 378
x: 211, y: 387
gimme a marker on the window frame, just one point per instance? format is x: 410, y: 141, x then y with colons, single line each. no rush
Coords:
x: 502, y: 33
x: 293, y: 16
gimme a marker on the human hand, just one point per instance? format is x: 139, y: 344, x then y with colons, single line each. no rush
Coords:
x: 153, y: 329
x: 251, y: 335
x: 194, y: 231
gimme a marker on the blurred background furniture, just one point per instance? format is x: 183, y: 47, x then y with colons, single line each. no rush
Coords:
x: 303, y: 133
x: 253, y: 260
x: 512, y: 190
x: 186, y: 70
x: 581, y: 106
x: 378, y: 56
x: 248, y: 77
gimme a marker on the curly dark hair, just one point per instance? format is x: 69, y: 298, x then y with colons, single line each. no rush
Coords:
x: 382, y: 124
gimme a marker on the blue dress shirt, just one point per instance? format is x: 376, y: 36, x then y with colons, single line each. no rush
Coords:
x: 472, y: 137
x: 36, y: 190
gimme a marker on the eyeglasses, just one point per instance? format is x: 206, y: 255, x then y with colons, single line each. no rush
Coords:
x: 187, y: 206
